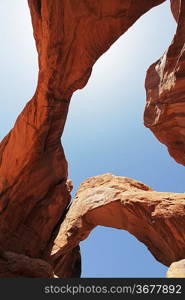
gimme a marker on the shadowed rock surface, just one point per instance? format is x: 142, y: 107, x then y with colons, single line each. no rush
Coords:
x: 18, y: 265
x: 34, y: 188
x: 176, y: 8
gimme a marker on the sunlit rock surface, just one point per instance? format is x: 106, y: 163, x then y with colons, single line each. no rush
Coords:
x: 154, y: 218
x: 176, y: 270
x: 165, y: 86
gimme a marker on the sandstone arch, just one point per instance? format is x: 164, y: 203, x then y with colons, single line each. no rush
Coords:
x: 154, y: 218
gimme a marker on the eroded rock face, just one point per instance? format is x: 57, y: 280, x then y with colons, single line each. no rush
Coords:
x: 176, y: 270
x: 165, y: 82
x: 154, y: 218
x: 19, y: 265
x: 176, y: 8
x: 70, y: 36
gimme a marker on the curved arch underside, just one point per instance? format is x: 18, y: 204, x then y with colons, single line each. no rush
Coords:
x: 155, y: 218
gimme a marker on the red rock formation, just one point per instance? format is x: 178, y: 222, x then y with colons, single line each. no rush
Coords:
x: 176, y: 7
x: 156, y: 219
x: 18, y: 265
x: 164, y: 112
x: 70, y: 36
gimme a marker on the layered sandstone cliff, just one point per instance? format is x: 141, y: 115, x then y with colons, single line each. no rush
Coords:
x: 34, y: 191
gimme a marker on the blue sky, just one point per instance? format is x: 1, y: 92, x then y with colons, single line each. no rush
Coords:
x: 104, y: 131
